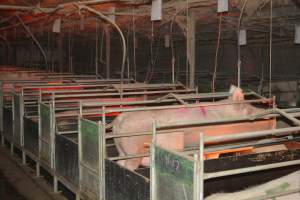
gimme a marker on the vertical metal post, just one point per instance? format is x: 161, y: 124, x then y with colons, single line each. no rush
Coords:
x: 52, y: 142
x: 196, y: 177
x: 191, y: 46
x: 96, y: 50
x: 13, y: 129
x: 79, y: 150
x: 1, y: 113
x: 153, y: 190
x: 199, y: 171
x: 201, y: 167
x: 55, y: 184
x: 39, y: 136
x: 102, y: 152
x: 22, y: 105
x: 107, y: 51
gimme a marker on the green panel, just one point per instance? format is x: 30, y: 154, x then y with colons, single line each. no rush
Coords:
x: 90, y: 143
x: 45, y: 116
x: 174, y: 176
x: 17, y: 119
x: 45, y: 121
x: 1, y: 106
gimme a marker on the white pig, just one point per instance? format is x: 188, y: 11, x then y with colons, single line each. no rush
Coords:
x: 280, y: 185
x: 141, y: 121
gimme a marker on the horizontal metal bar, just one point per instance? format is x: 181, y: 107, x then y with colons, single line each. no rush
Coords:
x: 66, y: 132
x: 261, y: 143
x: 45, y: 141
x: 128, y: 157
x: 180, y: 106
x: 89, y: 168
x: 248, y: 135
x: 250, y: 169
x: 124, y: 93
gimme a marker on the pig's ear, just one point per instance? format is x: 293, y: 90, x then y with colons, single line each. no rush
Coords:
x: 237, y: 93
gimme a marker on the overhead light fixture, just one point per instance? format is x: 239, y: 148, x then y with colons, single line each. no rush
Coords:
x: 56, y: 25
x: 222, y: 6
x: 113, y: 16
x: 156, y: 10
x: 297, y: 34
x: 242, y: 37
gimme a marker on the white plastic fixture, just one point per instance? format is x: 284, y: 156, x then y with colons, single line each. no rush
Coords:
x: 222, y: 6
x: 56, y: 25
x: 242, y: 37
x: 297, y: 34
x: 156, y: 10
x: 112, y: 10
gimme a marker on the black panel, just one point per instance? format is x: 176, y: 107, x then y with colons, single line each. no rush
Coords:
x: 7, y: 123
x: 122, y: 184
x: 31, y: 135
x: 66, y: 158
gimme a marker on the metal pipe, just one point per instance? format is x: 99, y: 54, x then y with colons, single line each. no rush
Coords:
x: 249, y: 135
x: 184, y: 106
x: 250, y: 169
x: 118, y: 30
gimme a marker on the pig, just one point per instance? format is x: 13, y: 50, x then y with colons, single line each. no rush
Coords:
x: 141, y: 121
x: 280, y: 185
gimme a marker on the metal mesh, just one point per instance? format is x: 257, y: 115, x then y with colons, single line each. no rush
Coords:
x: 1, y: 107
x: 89, y: 157
x: 45, y: 115
x: 17, y: 119
x: 90, y: 144
x: 173, y: 176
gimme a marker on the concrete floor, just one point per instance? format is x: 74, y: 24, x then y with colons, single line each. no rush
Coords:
x: 18, y: 182
x: 7, y: 191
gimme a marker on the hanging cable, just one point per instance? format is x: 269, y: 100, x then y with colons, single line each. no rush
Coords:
x: 271, y: 42
x: 34, y: 39
x: 239, y: 63
x: 91, y: 10
x: 217, y: 55
x: 118, y: 30
x: 187, y: 43
x: 134, y: 43
x: 96, y: 50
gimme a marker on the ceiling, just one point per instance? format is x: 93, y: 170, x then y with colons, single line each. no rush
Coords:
x: 134, y: 16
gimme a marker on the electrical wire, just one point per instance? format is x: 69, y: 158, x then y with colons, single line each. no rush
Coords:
x: 121, y: 35
x: 271, y: 42
x: 239, y: 63
x: 134, y: 43
x: 217, y: 54
x: 187, y: 43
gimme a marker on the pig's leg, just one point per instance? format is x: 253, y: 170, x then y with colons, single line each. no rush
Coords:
x: 145, y: 162
x: 133, y: 164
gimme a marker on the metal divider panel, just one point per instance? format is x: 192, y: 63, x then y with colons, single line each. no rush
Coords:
x: 8, y: 124
x: 90, y: 158
x: 45, y: 116
x: 1, y: 106
x: 31, y: 135
x: 17, y: 119
x: 174, y: 176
